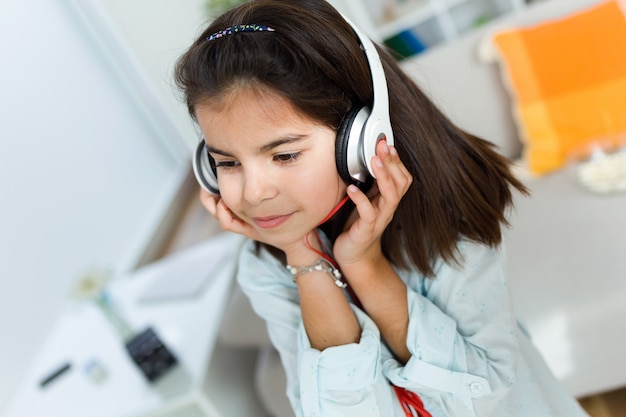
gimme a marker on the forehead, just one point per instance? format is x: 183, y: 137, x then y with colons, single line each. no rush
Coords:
x: 241, y: 101
x: 247, y: 118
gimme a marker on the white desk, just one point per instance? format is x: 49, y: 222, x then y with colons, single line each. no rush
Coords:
x: 208, y: 381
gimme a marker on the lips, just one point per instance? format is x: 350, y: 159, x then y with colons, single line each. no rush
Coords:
x: 270, y: 221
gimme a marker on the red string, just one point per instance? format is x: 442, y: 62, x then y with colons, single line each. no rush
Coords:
x: 325, y: 250
x: 335, y: 210
x: 411, y: 401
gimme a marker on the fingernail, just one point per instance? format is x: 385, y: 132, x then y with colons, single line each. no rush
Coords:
x: 378, y: 162
x: 393, y: 151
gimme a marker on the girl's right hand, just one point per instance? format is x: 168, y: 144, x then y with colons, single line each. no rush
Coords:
x: 225, y: 217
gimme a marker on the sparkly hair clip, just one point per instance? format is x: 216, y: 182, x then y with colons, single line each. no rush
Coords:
x: 239, y: 28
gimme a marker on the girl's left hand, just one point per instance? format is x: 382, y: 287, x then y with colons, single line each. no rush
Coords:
x: 361, y: 241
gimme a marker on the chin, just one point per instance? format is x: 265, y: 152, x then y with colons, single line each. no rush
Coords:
x: 282, y: 239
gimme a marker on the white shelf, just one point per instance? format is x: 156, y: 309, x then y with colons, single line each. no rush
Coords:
x: 436, y: 21
x: 406, y: 22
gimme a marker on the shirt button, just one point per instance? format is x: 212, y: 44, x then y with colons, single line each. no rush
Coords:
x: 476, y: 387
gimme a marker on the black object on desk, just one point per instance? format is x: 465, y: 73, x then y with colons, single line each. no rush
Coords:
x: 55, y: 374
x: 150, y: 354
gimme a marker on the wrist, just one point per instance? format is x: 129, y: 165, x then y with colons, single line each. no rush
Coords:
x: 349, y: 256
x: 365, y: 269
x: 320, y: 265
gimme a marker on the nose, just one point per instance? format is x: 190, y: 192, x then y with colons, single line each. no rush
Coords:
x: 258, y: 185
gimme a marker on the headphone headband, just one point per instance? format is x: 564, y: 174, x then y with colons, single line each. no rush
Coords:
x: 380, y: 100
x: 371, y: 124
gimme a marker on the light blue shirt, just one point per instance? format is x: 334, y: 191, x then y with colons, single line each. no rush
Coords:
x: 468, y: 356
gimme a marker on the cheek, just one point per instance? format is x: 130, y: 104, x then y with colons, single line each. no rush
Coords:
x: 229, y: 192
x: 323, y: 182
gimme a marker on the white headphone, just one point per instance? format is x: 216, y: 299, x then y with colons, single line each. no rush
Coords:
x: 359, y: 133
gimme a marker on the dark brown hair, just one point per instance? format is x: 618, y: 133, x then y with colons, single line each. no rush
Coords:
x: 461, y: 185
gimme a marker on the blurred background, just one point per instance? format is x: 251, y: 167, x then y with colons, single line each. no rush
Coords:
x: 95, y: 148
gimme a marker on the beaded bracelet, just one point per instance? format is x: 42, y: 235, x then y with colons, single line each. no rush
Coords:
x: 322, y: 265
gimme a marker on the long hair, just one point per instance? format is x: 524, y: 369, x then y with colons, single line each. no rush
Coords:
x: 461, y: 185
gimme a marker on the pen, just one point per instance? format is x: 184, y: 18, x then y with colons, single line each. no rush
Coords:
x: 55, y: 374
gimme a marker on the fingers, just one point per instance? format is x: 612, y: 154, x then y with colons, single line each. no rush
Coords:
x: 225, y: 217
x: 364, y: 206
x: 209, y: 201
x: 216, y: 206
x: 392, y: 182
x: 392, y: 177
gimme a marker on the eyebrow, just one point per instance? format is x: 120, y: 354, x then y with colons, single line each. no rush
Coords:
x: 265, y: 148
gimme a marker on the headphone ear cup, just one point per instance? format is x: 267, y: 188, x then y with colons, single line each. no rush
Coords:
x: 204, y: 169
x: 341, y: 144
x: 349, y: 147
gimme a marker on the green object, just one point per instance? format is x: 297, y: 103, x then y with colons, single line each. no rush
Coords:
x: 217, y: 7
x: 405, y: 44
x: 481, y: 21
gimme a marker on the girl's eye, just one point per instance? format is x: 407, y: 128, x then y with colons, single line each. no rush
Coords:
x: 286, y: 158
x: 226, y: 164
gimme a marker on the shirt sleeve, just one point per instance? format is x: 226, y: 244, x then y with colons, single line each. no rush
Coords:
x: 343, y: 380
x: 462, y: 336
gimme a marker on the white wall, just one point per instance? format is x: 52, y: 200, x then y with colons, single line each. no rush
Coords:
x: 84, y: 170
x: 147, y: 37
x: 362, y: 13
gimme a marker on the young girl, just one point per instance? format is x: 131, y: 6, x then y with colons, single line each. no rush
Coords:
x: 384, y: 297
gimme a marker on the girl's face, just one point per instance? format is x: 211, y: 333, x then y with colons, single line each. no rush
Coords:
x: 275, y: 166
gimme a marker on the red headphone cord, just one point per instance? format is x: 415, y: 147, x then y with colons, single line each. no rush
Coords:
x: 410, y: 402
x: 335, y: 210
x: 325, y: 249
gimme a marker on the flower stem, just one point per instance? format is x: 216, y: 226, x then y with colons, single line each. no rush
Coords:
x: 121, y: 326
